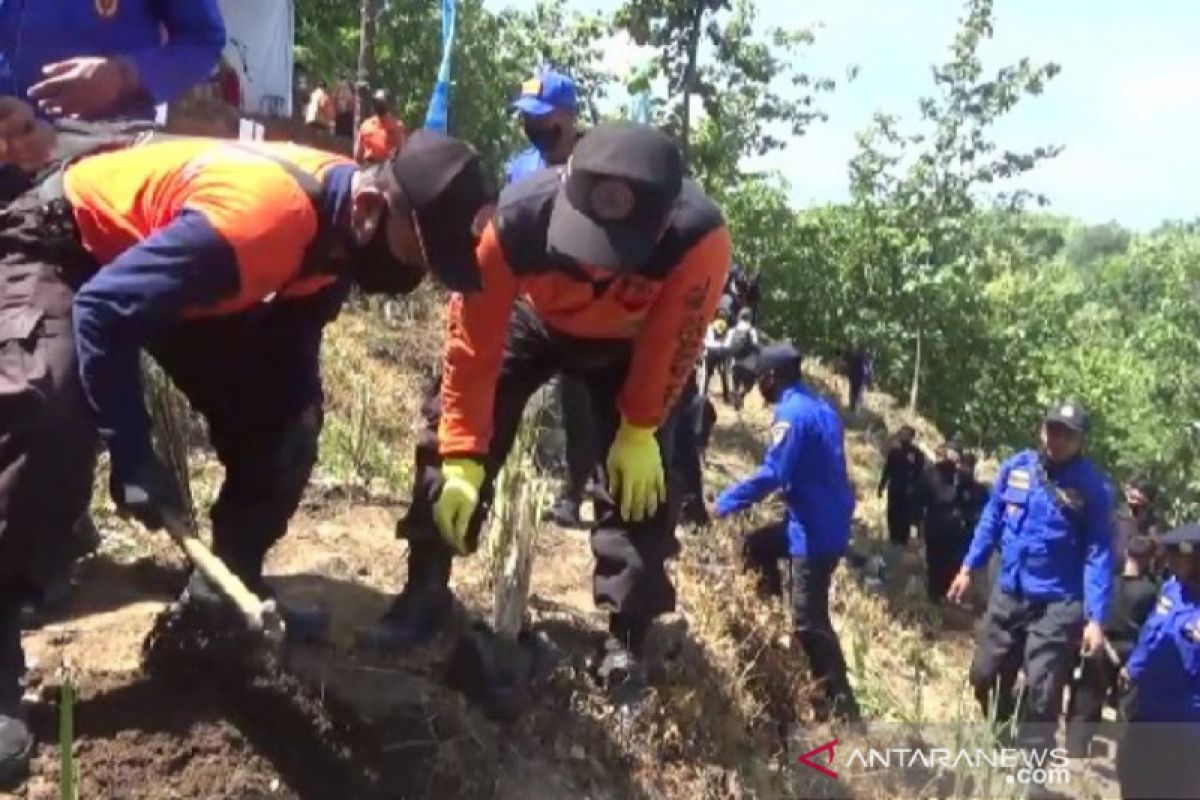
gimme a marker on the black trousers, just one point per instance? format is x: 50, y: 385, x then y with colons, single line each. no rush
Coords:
x: 856, y: 390
x: 1042, y: 638
x: 243, y: 374
x: 1157, y: 761
x: 743, y: 382
x: 688, y: 452
x: 630, y: 577
x: 762, y: 550
x: 900, y: 519
x: 716, y: 364
x: 944, y: 553
x: 583, y: 456
x: 1093, y: 689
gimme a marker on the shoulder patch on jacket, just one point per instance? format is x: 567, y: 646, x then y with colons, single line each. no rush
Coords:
x: 1165, y: 604
x: 1019, y: 479
x: 778, y: 431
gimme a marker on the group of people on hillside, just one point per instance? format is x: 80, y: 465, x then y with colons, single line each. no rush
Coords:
x: 225, y: 261
x: 1088, y: 598
x: 600, y: 263
x: 380, y: 134
x: 733, y: 341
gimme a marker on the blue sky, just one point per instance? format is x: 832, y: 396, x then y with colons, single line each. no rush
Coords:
x: 1126, y: 105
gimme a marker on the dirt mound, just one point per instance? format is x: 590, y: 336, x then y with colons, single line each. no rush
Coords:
x: 238, y: 728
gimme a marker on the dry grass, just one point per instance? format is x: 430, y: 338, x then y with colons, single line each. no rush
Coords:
x: 730, y: 688
x: 733, y: 687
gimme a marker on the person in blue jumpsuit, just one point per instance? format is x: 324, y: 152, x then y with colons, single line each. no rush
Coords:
x: 1159, y: 755
x: 807, y: 463
x: 1050, y: 514
x: 103, y: 59
x: 548, y: 107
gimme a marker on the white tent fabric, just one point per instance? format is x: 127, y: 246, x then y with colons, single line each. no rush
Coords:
x: 259, y: 46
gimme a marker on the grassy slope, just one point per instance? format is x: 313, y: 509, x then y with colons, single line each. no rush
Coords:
x: 728, y: 687
x: 735, y: 685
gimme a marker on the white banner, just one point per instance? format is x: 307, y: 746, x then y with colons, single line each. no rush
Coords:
x: 259, y: 39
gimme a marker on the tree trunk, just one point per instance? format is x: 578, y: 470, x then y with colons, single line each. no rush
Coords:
x: 914, y: 391
x: 689, y: 79
x: 366, y: 59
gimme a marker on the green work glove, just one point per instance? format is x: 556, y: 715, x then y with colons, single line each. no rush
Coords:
x: 635, y: 472
x: 461, y: 479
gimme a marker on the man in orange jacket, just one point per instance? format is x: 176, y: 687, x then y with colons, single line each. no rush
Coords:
x: 224, y: 261
x: 380, y: 135
x: 610, y: 270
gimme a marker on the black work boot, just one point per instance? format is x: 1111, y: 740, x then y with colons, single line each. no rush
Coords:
x: 692, y: 513
x: 59, y: 588
x: 423, y: 608
x: 619, y: 668
x: 416, y: 617
x: 302, y: 625
x: 16, y: 745
x: 16, y: 742
x: 565, y: 513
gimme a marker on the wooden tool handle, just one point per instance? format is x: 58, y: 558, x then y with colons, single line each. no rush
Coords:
x: 213, y: 568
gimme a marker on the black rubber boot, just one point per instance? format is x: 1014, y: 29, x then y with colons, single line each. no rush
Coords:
x: 619, y: 668
x: 16, y: 742
x: 303, y: 625
x: 693, y: 514
x: 565, y: 513
x: 423, y: 608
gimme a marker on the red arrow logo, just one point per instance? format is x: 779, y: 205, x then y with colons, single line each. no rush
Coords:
x: 807, y: 761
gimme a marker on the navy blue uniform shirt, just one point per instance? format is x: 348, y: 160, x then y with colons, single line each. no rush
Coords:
x: 807, y: 462
x: 34, y: 33
x: 1054, y: 531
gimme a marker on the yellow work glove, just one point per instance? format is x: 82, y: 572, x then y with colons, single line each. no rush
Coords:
x: 635, y: 472
x: 461, y: 479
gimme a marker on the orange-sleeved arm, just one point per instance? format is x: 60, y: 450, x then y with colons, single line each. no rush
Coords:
x: 666, y: 348
x: 476, y: 331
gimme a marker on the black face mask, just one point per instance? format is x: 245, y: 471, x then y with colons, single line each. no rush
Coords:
x: 545, y: 140
x: 947, y: 469
x: 377, y: 271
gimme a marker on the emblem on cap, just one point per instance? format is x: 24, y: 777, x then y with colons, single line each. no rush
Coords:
x: 612, y: 200
x: 533, y: 86
x: 1067, y: 411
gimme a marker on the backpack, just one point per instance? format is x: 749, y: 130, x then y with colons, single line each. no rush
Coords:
x: 741, y: 343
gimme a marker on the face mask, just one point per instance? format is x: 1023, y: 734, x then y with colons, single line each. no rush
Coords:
x: 545, y: 140
x: 377, y: 271
x: 947, y: 468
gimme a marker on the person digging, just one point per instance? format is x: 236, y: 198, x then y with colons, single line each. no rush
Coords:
x: 224, y: 262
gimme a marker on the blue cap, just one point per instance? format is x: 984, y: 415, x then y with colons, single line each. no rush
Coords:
x: 780, y: 355
x: 546, y: 92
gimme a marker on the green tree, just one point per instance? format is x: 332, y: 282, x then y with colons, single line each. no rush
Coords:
x: 1094, y: 242
x: 919, y: 193
x: 753, y: 95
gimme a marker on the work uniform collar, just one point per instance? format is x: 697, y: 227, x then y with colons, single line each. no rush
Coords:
x: 791, y: 390
x: 335, y: 195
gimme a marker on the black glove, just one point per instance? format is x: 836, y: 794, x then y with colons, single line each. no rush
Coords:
x: 147, y: 492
